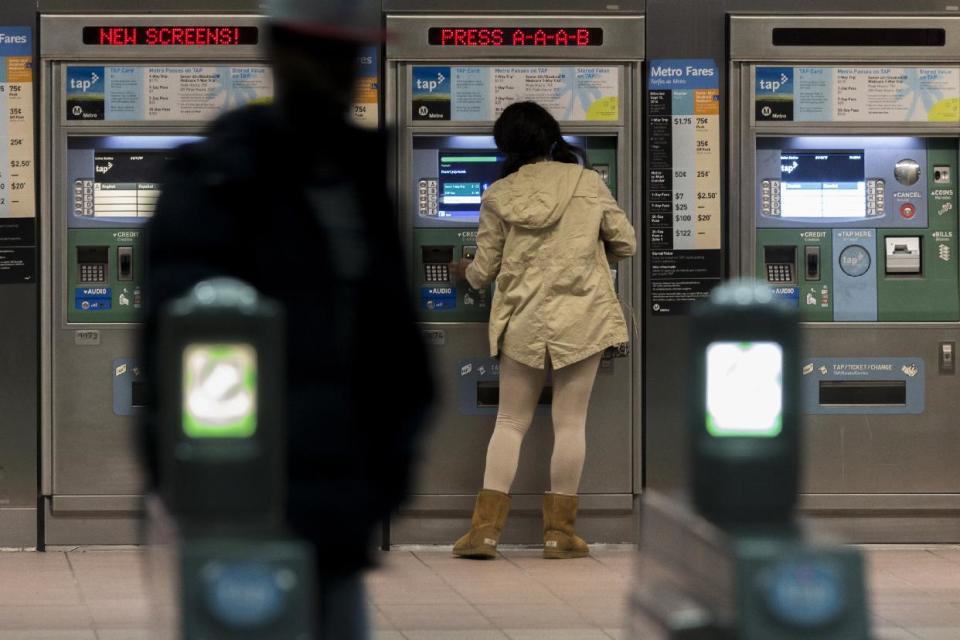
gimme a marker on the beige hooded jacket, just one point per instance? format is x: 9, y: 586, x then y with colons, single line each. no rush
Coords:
x: 546, y: 234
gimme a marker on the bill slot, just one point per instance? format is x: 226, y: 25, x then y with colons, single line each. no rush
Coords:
x: 488, y: 395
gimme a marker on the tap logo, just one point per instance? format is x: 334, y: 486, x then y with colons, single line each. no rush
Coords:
x: 86, y: 93
x: 431, y: 93
x: 84, y: 85
x: 773, y: 87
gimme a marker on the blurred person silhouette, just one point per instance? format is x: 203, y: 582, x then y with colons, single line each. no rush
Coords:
x: 549, y: 229
x: 293, y: 200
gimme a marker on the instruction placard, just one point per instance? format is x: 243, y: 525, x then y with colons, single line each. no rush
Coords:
x: 480, y: 94
x: 17, y: 185
x: 366, y: 100
x: 857, y: 94
x: 683, y: 179
x: 155, y: 93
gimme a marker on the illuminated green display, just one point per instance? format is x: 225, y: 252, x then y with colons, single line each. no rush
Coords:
x: 744, y: 389
x: 219, y: 391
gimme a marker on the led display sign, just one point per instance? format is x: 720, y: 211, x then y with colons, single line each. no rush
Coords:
x: 515, y: 36
x: 173, y: 36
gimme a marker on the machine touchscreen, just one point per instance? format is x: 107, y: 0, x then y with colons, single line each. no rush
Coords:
x: 463, y: 178
x: 822, y: 185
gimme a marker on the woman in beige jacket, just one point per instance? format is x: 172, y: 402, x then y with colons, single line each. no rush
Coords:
x: 548, y: 230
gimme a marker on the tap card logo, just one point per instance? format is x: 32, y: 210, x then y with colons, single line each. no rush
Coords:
x: 774, y: 93
x: 86, y: 93
x: 431, y: 93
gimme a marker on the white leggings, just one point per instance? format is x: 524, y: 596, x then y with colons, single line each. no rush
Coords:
x: 520, y: 388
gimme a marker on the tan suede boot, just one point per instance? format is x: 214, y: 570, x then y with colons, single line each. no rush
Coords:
x: 559, y: 539
x: 489, y: 516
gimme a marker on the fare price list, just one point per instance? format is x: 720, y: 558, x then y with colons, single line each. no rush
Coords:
x: 684, y: 204
x: 16, y: 138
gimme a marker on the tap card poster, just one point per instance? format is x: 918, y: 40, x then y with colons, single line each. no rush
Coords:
x: 161, y: 93
x: 17, y: 158
x: 683, y: 183
x: 857, y: 94
x: 480, y: 94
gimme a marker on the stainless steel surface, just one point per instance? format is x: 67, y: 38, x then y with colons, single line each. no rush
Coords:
x: 92, y: 476
x: 452, y: 469
x: 408, y: 38
x: 151, y: 6
x: 865, y: 475
x: 751, y: 38
x: 545, y: 6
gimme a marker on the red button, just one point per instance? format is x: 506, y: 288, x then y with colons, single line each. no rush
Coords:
x: 907, y: 211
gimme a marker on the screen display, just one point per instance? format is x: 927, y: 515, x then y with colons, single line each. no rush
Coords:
x: 515, y: 36
x: 744, y: 389
x: 219, y: 391
x: 125, y: 184
x: 464, y: 177
x: 822, y: 185
x: 175, y: 36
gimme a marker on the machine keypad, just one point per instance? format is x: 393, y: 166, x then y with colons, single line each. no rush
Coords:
x: 427, y: 197
x: 437, y: 273
x: 83, y: 198
x: 93, y: 272
x: 779, y: 273
x: 770, y: 197
x: 875, y: 197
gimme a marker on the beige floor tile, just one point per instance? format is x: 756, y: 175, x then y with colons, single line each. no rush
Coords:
x: 123, y: 614
x: 892, y: 633
x: 429, y: 617
x: 926, y: 615
x: 556, y: 634
x: 52, y: 617
x: 40, y: 634
x: 37, y: 578
x: 935, y: 633
x: 387, y: 635
x: 477, y: 634
x: 125, y: 634
x: 534, y: 616
x: 618, y: 634
x: 414, y: 593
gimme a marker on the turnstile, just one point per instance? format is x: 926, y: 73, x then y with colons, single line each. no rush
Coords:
x: 448, y: 77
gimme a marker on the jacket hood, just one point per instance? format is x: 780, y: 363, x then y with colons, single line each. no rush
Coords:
x: 536, y: 196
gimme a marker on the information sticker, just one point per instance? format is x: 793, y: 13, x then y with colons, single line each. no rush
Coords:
x: 480, y: 94
x: 683, y: 179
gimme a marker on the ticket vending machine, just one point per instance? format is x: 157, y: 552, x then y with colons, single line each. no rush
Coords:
x: 844, y: 141
x: 448, y: 78
x: 119, y: 94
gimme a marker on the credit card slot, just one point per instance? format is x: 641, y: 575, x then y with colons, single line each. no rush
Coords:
x: 874, y: 393
x: 488, y: 395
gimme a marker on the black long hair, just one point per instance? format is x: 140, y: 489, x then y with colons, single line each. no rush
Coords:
x: 526, y: 132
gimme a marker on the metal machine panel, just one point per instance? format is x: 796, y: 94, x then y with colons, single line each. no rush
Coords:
x: 879, y: 290
x: 101, y: 166
x: 454, y: 321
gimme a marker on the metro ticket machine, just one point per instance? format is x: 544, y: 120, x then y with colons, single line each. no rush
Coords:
x: 844, y: 131
x: 448, y: 78
x: 119, y: 93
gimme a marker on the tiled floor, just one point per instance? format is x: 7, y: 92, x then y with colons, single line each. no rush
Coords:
x: 428, y: 595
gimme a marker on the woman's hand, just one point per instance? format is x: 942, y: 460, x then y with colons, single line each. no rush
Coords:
x: 458, y: 270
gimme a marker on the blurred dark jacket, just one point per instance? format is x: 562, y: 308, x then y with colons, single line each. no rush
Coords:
x: 307, y: 222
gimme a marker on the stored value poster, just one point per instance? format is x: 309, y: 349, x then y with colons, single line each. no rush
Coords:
x: 857, y: 94
x: 17, y: 156
x: 480, y: 94
x: 138, y: 93
x: 683, y: 175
